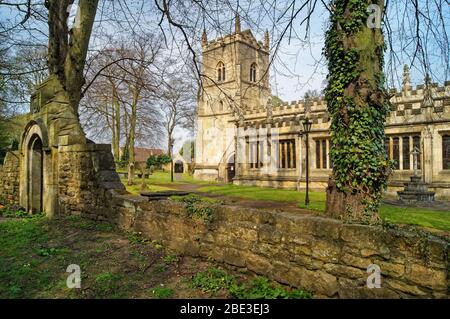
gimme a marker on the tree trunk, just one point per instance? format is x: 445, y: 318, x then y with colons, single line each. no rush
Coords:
x: 116, y: 124
x: 68, y: 50
x: 133, y: 119
x: 78, y: 47
x: 358, y: 104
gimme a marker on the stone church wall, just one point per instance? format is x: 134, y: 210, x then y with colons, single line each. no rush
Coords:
x: 322, y: 255
x: 9, y: 178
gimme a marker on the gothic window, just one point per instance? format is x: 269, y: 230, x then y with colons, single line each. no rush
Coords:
x: 321, y: 154
x: 402, y: 155
x: 318, y: 154
x: 396, y: 152
x: 324, y: 153
x: 287, y: 158
x: 406, y: 153
x: 220, y: 72
x: 387, y: 147
x: 255, y: 153
x: 416, y: 144
x: 253, y: 72
x: 446, y: 152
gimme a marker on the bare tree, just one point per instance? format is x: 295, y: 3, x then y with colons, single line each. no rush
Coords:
x: 177, y: 106
x: 417, y: 34
x: 356, y: 91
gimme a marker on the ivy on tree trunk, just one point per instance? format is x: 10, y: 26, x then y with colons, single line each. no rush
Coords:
x: 358, y: 105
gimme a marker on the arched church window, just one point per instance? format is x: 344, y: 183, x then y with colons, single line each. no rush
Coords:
x: 446, y: 152
x: 396, y: 152
x: 253, y: 72
x: 220, y: 72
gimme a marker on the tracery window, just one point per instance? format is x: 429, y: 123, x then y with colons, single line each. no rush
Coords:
x: 220, y: 72
x: 253, y: 72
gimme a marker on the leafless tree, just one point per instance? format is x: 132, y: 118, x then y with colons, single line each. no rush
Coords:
x: 177, y: 105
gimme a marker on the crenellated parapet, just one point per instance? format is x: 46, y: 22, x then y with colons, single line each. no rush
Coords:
x: 409, y: 105
x: 245, y: 37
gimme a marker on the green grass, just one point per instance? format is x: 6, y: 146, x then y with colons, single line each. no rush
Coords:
x: 160, y: 177
x: 136, y: 188
x: 261, y: 193
x: 24, y: 251
x: 211, y: 280
x: 416, y: 216
x: 162, y: 292
x: 156, y: 179
x: 400, y: 215
x: 262, y: 288
x: 35, y: 253
x: 214, y: 280
x: 108, y: 284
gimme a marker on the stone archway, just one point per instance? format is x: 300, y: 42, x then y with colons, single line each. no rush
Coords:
x: 35, y: 174
x: 38, y: 187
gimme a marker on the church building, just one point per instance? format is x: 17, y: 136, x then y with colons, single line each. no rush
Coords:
x: 247, y: 138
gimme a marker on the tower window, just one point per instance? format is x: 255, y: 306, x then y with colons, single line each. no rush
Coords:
x: 253, y: 72
x: 220, y: 72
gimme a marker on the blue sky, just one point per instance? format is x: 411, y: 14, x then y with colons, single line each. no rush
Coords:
x: 298, y: 65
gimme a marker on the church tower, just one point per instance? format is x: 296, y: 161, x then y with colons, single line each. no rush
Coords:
x: 235, y: 82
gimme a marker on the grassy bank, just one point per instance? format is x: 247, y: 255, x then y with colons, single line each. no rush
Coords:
x: 35, y: 253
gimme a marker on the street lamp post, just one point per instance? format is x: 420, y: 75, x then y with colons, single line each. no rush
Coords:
x: 306, y: 129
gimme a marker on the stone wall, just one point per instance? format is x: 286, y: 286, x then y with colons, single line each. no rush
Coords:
x: 322, y: 255
x: 9, y: 178
x: 87, y: 179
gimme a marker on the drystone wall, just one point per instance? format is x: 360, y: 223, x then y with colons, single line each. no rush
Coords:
x: 87, y: 180
x: 9, y: 178
x: 322, y: 255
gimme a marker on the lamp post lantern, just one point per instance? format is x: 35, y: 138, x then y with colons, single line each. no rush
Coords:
x: 306, y: 129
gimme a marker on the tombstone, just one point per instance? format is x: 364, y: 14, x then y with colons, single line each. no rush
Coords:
x: 179, y: 170
x: 416, y: 190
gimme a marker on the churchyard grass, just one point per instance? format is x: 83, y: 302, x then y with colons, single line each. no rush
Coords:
x: 424, y: 217
x: 35, y: 253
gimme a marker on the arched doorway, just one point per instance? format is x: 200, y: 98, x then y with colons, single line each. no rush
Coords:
x: 179, y: 167
x: 231, y: 170
x: 35, y: 174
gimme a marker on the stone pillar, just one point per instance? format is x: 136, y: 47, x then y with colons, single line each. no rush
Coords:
x: 268, y: 151
x: 427, y: 155
x: 400, y: 153
x: 239, y: 150
x: 299, y: 160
